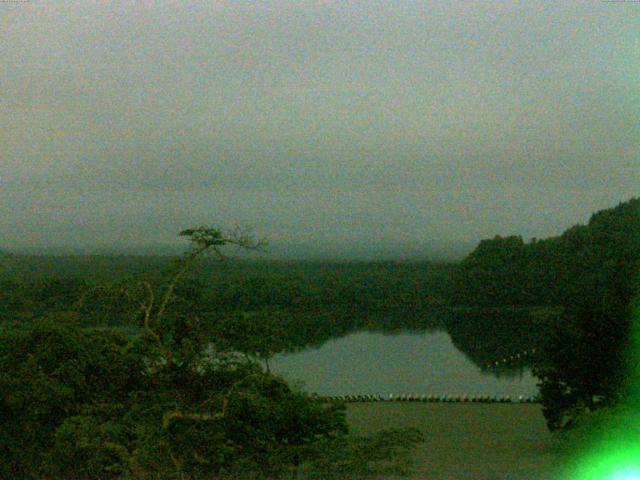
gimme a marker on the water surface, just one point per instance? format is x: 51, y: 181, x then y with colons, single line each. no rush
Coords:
x: 375, y: 363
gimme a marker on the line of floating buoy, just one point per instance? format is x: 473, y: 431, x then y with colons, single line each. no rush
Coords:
x: 431, y: 398
x: 512, y: 358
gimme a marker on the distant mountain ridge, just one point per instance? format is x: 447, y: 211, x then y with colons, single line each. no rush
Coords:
x: 277, y: 251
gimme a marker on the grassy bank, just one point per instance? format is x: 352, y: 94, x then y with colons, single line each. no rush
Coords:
x: 468, y: 441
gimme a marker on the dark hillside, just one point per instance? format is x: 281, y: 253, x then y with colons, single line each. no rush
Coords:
x: 589, y: 273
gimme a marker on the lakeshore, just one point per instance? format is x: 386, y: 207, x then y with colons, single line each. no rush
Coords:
x: 467, y: 441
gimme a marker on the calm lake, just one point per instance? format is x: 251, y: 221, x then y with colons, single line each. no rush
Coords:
x: 376, y: 363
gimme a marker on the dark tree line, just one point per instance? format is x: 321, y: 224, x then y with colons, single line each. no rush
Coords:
x: 584, y: 279
x: 160, y: 403
x: 311, y: 302
x: 590, y: 272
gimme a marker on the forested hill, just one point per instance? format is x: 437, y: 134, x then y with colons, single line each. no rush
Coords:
x: 590, y: 273
x: 586, y: 260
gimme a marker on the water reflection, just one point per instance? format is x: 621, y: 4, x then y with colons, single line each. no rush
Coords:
x: 376, y: 363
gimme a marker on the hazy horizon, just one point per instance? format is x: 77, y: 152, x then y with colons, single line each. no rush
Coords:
x: 343, y: 129
x: 283, y: 251
x: 276, y: 251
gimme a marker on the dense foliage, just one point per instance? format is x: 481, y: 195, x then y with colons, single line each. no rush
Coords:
x: 568, y: 296
x: 589, y: 273
x: 312, y: 302
x: 160, y: 402
x: 94, y: 404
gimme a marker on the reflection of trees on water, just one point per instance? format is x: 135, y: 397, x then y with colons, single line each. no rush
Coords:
x: 490, y: 336
x: 500, y: 341
x: 311, y: 330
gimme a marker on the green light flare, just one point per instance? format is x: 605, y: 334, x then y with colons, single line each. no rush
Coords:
x: 620, y: 462
x: 613, y: 447
x: 627, y: 475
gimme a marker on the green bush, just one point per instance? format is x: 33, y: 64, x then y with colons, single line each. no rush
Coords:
x: 97, y: 405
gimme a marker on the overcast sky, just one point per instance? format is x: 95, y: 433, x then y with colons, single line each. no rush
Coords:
x: 374, y: 124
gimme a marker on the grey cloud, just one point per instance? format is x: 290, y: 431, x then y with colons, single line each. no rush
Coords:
x: 353, y: 121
